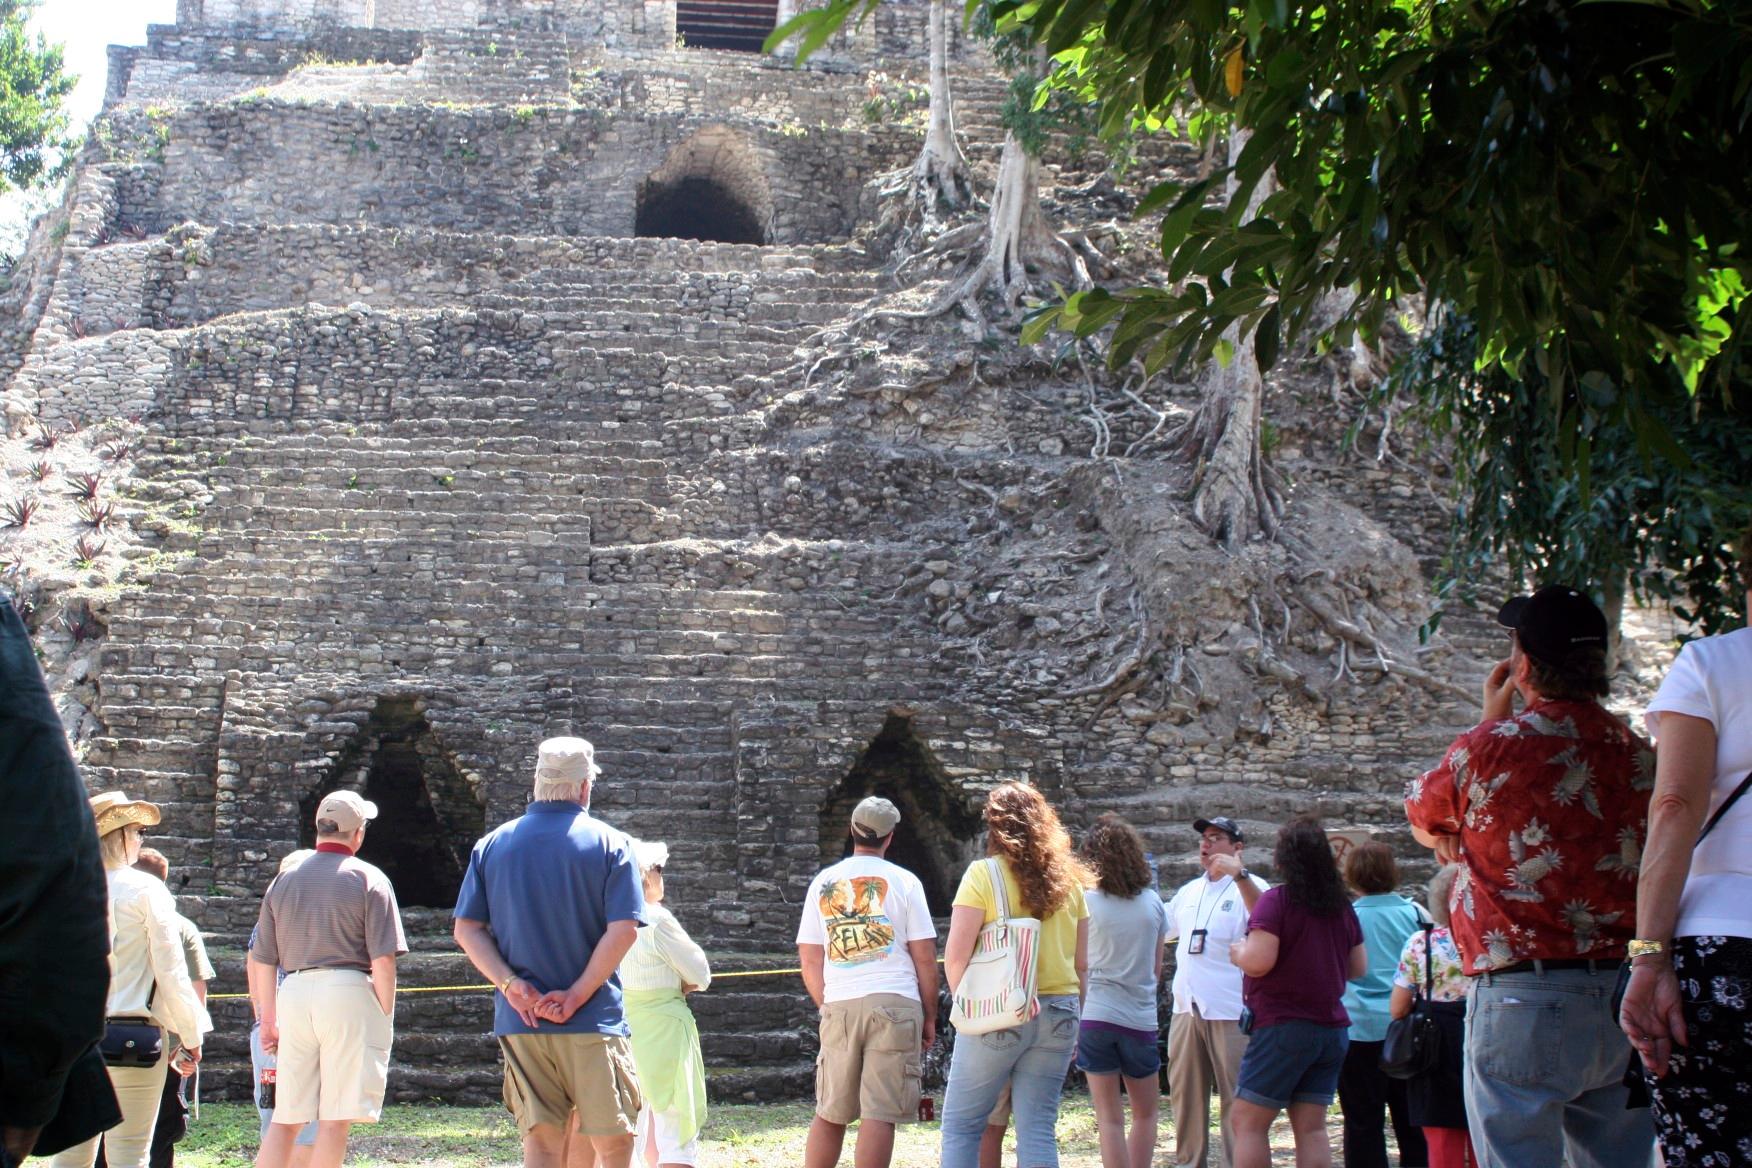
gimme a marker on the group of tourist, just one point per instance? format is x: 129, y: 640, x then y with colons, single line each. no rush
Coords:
x: 1586, y: 961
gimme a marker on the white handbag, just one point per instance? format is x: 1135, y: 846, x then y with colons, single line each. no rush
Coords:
x: 997, y: 990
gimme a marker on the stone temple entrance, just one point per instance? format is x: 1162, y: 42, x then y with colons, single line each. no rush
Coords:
x: 712, y: 188
x: 939, y: 830
x: 428, y: 814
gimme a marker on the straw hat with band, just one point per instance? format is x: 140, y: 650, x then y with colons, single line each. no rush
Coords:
x: 113, y: 810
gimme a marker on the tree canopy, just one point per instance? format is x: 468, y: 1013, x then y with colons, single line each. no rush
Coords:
x: 33, y: 88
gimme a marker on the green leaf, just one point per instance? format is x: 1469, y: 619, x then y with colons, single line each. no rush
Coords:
x: 1266, y: 338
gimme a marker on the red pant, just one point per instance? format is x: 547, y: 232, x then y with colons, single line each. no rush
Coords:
x: 1450, y: 1147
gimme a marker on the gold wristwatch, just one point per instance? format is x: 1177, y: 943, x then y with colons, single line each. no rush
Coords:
x: 1640, y: 948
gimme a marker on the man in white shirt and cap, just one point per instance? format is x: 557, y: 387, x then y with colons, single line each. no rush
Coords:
x: 1205, y: 1042
x: 868, y: 948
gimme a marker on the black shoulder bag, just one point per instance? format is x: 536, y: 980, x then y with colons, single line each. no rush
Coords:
x: 1413, y: 1046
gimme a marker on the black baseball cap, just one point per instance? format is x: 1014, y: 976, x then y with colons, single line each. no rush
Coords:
x: 1222, y: 823
x: 1554, y: 622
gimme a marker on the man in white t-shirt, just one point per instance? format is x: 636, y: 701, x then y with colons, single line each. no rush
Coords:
x: 868, y: 948
x: 1205, y: 1042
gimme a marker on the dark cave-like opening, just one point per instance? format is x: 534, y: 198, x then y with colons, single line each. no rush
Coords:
x: 738, y: 25
x: 428, y: 816
x: 696, y: 207
x: 938, y: 829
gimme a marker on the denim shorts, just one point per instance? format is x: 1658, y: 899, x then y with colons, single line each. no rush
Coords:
x: 1292, y: 1062
x: 1111, y: 1052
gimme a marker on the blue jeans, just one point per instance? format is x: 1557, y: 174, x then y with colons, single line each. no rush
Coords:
x: 1033, y: 1059
x: 1544, y: 1064
x: 258, y: 1059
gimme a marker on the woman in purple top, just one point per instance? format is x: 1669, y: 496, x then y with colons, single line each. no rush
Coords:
x: 1303, y: 944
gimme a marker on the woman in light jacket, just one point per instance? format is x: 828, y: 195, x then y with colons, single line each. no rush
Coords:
x: 149, y: 981
x: 663, y: 965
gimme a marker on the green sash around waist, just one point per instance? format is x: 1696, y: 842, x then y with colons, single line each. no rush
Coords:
x: 666, y: 1051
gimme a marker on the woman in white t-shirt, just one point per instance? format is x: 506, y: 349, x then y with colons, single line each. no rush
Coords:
x: 1688, y: 1007
x: 1116, y: 1038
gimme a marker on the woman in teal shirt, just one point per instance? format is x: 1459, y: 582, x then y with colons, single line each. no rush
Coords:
x: 1364, y: 1091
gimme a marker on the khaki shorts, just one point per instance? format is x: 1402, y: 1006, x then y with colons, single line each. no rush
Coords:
x: 550, y: 1076
x: 1000, y: 1116
x: 868, y: 1067
x: 334, y: 1047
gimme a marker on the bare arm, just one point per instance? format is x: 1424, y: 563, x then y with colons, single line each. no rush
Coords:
x: 477, y: 940
x: 1082, y: 960
x: 964, y: 925
x: 813, y: 959
x: 1446, y: 846
x: 924, y: 959
x: 383, y: 982
x: 263, y: 988
x: 1255, y: 954
x: 1399, y: 1005
x: 1684, y: 770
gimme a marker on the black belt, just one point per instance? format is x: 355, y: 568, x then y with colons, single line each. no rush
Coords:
x: 1543, y: 965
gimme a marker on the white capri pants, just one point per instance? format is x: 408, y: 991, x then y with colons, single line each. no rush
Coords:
x: 661, y: 1126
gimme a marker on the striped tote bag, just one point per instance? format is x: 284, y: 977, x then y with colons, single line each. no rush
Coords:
x: 997, y: 991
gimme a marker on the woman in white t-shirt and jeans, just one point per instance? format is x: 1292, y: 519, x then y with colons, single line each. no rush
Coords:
x: 1117, y: 1037
x: 1688, y: 1007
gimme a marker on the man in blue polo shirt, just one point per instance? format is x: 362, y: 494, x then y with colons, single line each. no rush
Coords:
x: 549, y: 906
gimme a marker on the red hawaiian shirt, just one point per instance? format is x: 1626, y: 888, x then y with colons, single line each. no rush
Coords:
x: 1551, y: 807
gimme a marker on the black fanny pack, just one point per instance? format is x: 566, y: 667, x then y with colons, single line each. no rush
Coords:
x: 131, y: 1042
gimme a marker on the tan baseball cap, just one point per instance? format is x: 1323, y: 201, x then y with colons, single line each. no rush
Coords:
x: 113, y: 809
x: 566, y: 760
x: 875, y: 817
x: 347, y: 809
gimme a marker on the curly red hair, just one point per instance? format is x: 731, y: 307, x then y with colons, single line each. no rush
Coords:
x: 1022, y: 827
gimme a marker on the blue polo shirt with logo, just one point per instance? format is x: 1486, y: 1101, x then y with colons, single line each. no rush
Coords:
x: 548, y: 884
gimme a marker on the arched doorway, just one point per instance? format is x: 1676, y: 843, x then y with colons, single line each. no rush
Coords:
x: 738, y: 25
x: 939, y: 829
x: 711, y: 187
x: 428, y: 814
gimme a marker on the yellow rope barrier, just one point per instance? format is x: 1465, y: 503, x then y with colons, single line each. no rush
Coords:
x: 460, y: 989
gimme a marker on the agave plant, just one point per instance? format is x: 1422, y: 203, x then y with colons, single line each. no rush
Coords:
x: 87, y: 550
x: 98, y: 514
x: 85, y: 486
x: 20, y: 511
x: 39, y: 470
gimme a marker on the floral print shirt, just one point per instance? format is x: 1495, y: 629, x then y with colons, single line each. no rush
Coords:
x: 1448, y: 982
x: 1551, y: 807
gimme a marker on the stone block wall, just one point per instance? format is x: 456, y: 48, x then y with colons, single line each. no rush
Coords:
x: 548, y: 170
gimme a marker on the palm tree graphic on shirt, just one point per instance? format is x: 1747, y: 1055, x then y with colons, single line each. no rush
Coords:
x: 853, y: 911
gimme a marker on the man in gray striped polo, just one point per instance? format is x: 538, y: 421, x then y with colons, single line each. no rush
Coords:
x: 333, y: 925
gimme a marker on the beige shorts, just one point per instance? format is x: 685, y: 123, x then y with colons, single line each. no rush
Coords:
x: 868, y: 1067
x: 1000, y: 1116
x: 550, y: 1076
x: 334, y: 1048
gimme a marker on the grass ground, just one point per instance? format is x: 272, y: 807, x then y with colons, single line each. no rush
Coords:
x: 737, y: 1136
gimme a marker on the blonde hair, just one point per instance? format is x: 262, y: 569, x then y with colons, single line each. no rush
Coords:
x: 114, y: 845
x: 564, y: 790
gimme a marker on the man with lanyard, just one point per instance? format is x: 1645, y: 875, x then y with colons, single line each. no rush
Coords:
x: 1205, y: 1042
x: 1546, y: 812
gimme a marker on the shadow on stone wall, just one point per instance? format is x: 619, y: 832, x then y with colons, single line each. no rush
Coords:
x: 429, y: 814
x: 939, y: 830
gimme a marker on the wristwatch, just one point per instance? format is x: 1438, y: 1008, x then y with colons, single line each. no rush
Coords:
x: 1244, y: 874
x: 1641, y: 948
